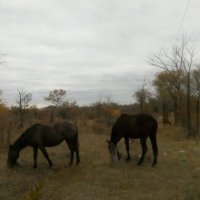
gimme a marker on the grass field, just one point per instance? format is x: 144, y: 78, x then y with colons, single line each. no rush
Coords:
x: 176, y: 176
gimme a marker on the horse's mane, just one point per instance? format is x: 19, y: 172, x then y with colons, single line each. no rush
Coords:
x: 21, y: 140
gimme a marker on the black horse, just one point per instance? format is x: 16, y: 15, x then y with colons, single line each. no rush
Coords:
x: 134, y: 126
x: 40, y: 136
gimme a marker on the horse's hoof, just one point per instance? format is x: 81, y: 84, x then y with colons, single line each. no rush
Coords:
x: 153, y: 165
x: 16, y: 165
x: 119, y: 156
x: 50, y: 166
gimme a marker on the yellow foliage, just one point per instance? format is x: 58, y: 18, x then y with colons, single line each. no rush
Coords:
x: 112, y: 112
x: 3, y: 110
x: 115, y: 113
x: 3, y: 115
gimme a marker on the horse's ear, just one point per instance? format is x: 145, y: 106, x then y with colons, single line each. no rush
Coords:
x: 108, y: 141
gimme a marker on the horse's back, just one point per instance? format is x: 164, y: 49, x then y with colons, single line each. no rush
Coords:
x: 42, y: 134
x: 51, y: 135
x: 134, y: 126
x: 66, y: 128
x: 57, y: 128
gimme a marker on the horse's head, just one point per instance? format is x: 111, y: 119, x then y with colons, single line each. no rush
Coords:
x: 113, y: 151
x: 13, y: 155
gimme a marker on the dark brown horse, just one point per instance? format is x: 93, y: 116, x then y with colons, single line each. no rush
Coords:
x: 134, y: 126
x: 40, y: 136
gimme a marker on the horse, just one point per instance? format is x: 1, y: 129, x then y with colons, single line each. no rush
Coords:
x: 166, y: 121
x: 40, y: 136
x: 136, y: 126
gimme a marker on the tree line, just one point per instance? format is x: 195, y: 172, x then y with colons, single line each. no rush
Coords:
x: 177, y: 85
x: 175, y: 90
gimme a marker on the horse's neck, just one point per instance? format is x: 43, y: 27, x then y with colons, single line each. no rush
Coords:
x: 20, y: 143
x: 115, y: 138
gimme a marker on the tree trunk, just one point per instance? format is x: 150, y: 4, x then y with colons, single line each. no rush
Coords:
x: 176, y: 112
x: 21, y: 118
x: 141, y: 106
x: 197, y: 114
x: 52, y: 115
x: 188, y: 107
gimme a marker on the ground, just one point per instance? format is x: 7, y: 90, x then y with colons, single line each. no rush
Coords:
x: 176, y: 176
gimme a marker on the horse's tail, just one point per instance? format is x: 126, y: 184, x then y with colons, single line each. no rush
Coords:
x: 155, y: 126
x: 154, y: 129
x: 154, y: 141
x: 76, y: 138
x: 76, y: 145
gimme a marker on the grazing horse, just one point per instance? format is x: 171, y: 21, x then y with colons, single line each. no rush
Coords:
x: 40, y: 136
x: 134, y: 126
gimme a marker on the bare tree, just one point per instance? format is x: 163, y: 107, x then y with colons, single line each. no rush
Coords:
x: 56, y: 98
x: 108, y: 110
x: 196, y: 90
x: 186, y: 55
x: 23, y: 103
x: 179, y: 59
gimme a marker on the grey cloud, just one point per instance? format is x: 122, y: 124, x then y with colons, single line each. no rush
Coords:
x: 89, y: 48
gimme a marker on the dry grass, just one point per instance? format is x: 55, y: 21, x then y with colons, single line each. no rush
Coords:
x: 177, y: 175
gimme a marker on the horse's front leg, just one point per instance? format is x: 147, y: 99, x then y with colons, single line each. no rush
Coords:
x: 127, y: 148
x: 35, y: 152
x: 144, y: 149
x: 43, y: 150
x: 118, y: 155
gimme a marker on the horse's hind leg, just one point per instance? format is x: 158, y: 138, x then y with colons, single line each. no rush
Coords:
x: 155, y: 149
x: 144, y: 150
x: 43, y: 150
x: 77, y: 152
x: 71, y: 148
x: 72, y: 156
x: 127, y: 148
x: 35, y: 152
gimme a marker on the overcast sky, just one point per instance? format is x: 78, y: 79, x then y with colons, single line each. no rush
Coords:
x: 90, y: 48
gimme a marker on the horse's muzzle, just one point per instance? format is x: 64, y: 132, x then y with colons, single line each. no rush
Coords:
x: 11, y: 164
